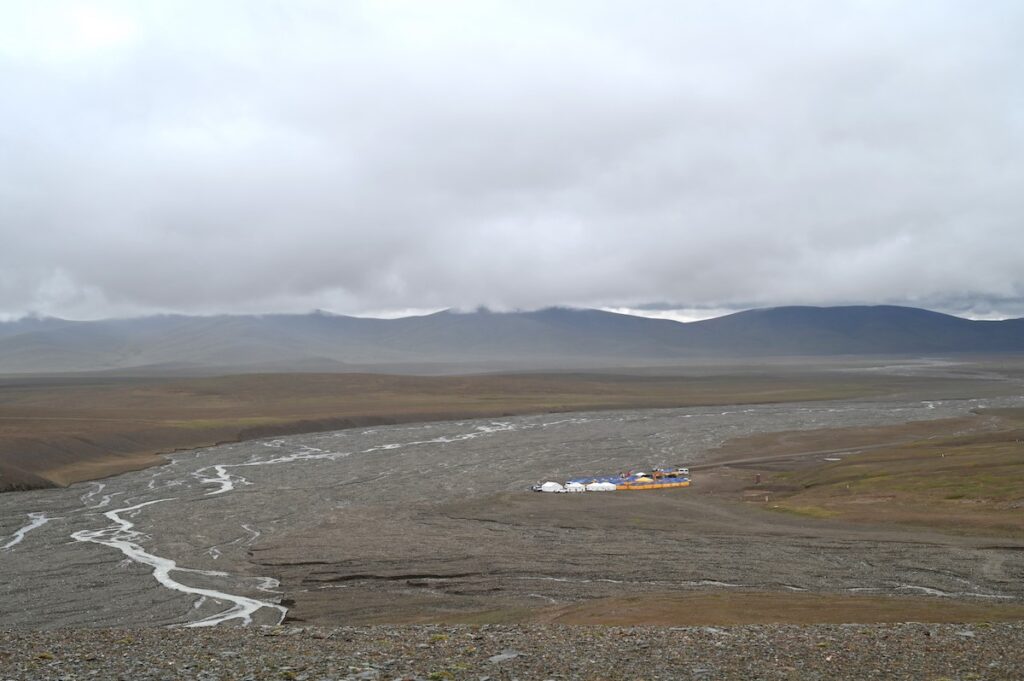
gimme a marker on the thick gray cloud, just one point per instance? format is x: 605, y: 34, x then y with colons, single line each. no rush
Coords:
x: 384, y: 155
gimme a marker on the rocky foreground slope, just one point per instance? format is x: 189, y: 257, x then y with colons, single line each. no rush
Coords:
x: 903, y: 651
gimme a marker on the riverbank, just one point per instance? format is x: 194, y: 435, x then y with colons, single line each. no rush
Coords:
x: 433, y: 523
x: 834, y: 652
x: 57, y: 431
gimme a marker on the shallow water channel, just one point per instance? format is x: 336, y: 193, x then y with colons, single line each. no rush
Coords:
x: 169, y: 545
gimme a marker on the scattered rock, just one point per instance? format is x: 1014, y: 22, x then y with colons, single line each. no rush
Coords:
x: 565, y: 653
x: 365, y: 675
x: 504, y: 656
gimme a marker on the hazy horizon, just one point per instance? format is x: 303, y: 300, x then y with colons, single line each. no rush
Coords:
x: 681, y: 315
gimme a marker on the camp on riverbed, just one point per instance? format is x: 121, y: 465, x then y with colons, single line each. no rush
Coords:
x: 658, y: 479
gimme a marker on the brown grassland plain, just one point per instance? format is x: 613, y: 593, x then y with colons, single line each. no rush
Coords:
x: 966, y: 482
x: 60, y: 430
x: 958, y: 476
x: 725, y: 608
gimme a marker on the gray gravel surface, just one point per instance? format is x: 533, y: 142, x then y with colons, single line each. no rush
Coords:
x: 903, y: 651
x: 227, y: 534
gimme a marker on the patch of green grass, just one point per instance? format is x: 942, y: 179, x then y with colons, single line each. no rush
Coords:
x: 940, y: 470
x: 805, y: 511
x: 961, y: 483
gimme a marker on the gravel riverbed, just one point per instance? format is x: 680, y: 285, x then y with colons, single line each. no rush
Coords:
x: 340, y: 524
x: 899, y: 651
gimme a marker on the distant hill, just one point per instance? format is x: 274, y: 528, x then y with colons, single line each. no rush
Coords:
x: 478, y: 340
x: 855, y: 330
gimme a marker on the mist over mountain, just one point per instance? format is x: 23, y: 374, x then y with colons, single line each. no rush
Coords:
x: 542, y: 338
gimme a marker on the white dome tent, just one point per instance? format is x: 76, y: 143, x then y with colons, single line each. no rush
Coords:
x: 658, y: 478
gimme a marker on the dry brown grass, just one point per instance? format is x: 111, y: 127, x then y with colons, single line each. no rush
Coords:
x: 964, y: 483
x: 780, y: 608
x: 730, y: 608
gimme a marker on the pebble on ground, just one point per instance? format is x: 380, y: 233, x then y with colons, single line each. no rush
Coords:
x: 504, y: 652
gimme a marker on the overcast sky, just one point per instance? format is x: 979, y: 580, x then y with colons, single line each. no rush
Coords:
x: 378, y: 157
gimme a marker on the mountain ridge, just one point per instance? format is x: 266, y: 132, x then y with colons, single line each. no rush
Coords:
x: 542, y: 337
